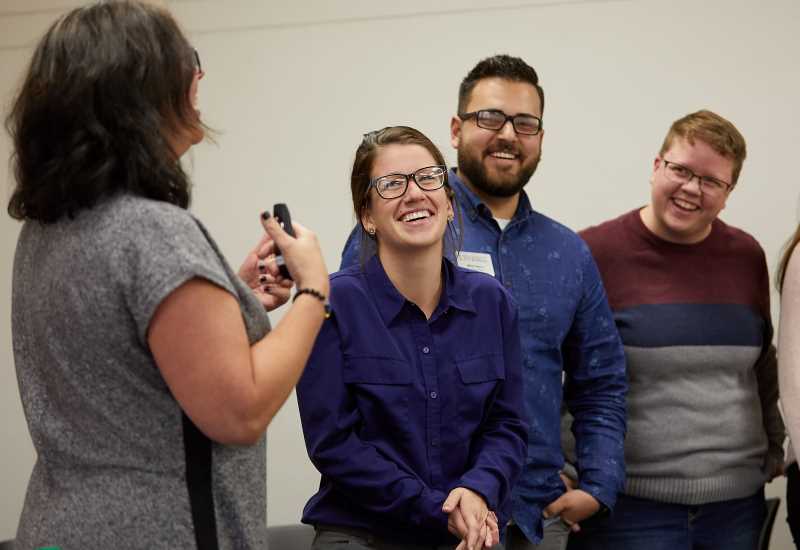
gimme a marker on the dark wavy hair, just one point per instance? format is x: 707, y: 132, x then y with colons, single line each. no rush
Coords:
x: 498, y: 66
x: 360, y: 182
x: 107, y: 86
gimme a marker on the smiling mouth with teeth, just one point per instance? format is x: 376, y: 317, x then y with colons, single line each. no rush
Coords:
x: 416, y: 215
x: 684, y: 205
x: 503, y: 155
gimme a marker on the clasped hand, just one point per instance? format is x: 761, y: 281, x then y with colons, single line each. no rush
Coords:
x: 471, y: 520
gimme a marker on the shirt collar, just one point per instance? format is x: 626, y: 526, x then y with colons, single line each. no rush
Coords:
x: 456, y: 294
x: 473, y: 206
x: 390, y: 302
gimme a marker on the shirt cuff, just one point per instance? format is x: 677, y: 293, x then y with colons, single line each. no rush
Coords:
x: 428, y: 514
x: 605, y: 497
x: 485, y: 488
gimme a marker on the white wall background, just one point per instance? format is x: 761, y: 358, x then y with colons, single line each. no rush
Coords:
x: 292, y: 86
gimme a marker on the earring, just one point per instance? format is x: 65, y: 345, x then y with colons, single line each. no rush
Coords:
x: 450, y: 217
x: 371, y: 231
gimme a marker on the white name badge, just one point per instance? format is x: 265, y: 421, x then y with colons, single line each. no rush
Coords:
x: 476, y: 261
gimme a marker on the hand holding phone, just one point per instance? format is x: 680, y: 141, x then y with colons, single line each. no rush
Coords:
x: 302, y: 246
x: 281, y: 213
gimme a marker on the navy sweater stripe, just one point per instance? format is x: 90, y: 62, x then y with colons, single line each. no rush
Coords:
x: 659, y: 325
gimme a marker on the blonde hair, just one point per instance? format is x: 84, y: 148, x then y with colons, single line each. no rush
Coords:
x: 710, y: 128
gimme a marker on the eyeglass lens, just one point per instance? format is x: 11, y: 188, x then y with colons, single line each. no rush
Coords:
x: 394, y: 185
x: 494, y: 120
x: 683, y: 175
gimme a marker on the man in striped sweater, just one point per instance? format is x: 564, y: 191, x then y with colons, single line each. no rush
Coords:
x: 690, y: 296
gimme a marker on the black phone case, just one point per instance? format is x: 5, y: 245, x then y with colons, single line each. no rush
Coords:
x: 281, y: 212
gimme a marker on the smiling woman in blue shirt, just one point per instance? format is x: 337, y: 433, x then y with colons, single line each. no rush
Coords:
x: 411, y: 402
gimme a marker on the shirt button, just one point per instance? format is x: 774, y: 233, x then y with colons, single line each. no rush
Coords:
x: 434, y: 395
x: 426, y: 350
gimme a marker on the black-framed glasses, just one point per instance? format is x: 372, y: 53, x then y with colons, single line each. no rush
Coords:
x: 495, y: 119
x: 680, y: 174
x: 197, y: 64
x: 392, y: 186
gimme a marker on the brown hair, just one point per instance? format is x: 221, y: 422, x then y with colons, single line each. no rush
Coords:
x: 710, y: 128
x: 360, y: 180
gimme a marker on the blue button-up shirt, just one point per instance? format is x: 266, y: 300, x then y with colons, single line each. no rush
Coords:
x: 398, y: 410
x: 567, y: 332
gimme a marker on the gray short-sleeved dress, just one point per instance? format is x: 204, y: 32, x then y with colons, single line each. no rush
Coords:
x: 118, y: 463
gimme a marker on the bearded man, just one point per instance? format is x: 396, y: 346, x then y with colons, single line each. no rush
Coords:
x: 566, y: 326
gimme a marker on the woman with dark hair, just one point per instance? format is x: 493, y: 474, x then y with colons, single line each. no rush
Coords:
x: 146, y: 365
x: 411, y: 402
x: 789, y: 374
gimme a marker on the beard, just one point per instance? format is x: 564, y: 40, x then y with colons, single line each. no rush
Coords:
x: 475, y: 172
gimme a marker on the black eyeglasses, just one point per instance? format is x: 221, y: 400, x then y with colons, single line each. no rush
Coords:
x: 681, y: 175
x: 494, y: 119
x: 392, y: 186
x: 197, y: 63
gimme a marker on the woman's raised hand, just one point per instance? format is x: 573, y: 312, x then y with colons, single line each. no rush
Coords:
x: 302, y: 255
x: 261, y: 274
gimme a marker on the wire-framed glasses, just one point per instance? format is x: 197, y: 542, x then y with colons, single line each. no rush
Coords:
x: 392, y: 186
x: 681, y: 175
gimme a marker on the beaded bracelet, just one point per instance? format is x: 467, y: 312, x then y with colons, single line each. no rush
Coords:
x: 316, y: 294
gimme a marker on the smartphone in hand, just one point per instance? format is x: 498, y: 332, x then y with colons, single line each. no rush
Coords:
x: 281, y: 213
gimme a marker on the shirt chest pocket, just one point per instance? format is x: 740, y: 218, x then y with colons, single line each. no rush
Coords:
x: 380, y: 388
x: 480, y: 379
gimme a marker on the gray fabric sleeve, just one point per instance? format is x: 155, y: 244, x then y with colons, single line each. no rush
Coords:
x: 767, y: 376
x: 166, y: 249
